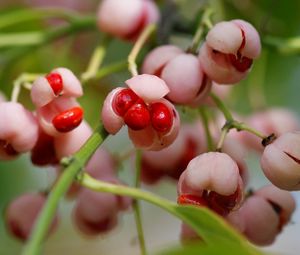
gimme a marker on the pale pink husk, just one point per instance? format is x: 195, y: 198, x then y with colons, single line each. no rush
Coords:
x: 18, y: 127
x: 218, y: 68
x: 67, y: 144
x: 237, y: 221
x: 152, y: 12
x: 148, y: 87
x: 280, y: 197
x: 213, y: 171
x: 119, y: 18
x: 225, y: 37
x: 252, y: 47
x: 159, y: 57
x: 71, y: 85
x: 23, y: 212
x: 280, y: 168
x: 184, y: 77
x: 46, y: 113
x: 187, y: 234
x: 261, y: 221
x: 111, y: 121
x: 41, y: 92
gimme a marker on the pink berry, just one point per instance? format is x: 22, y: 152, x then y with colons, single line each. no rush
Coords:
x: 22, y: 213
x: 59, y: 82
x: 281, y: 161
x: 229, y: 50
x: 114, y: 17
x: 18, y: 130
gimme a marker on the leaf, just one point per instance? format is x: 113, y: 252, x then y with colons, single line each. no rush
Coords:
x: 220, y: 248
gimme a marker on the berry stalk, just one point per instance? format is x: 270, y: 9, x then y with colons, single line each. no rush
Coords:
x: 76, y: 164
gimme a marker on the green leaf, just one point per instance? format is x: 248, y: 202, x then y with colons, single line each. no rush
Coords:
x: 220, y: 248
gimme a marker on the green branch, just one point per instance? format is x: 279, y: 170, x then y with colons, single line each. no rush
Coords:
x: 76, y: 163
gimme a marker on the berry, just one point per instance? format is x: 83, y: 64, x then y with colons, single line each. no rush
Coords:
x: 123, y: 100
x: 68, y: 120
x: 55, y: 82
x: 280, y: 161
x: 138, y: 116
x: 161, y: 118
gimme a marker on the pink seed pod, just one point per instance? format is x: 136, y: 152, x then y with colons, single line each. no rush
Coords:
x: 67, y: 144
x: 18, y: 130
x: 182, y: 73
x: 282, y: 202
x: 280, y: 161
x: 222, y: 91
x: 261, y: 221
x: 126, y: 19
x: 53, y: 110
x: 188, y: 235
x: 43, y: 153
x: 58, y: 82
x: 213, y: 177
x: 272, y: 121
x: 148, y: 87
x: 157, y: 59
x: 228, y: 53
x: 22, y: 213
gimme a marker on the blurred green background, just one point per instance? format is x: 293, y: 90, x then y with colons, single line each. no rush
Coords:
x: 274, y: 73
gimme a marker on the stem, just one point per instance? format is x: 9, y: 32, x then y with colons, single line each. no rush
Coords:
x: 224, y: 133
x: 132, y: 66
x: 204, y: 117
x: 96, y: 60
x: 76, y: 163
x: 290, y: 46
x: 242, y: 126
x: 204, y: 23
x: 25, y: 15
x: 136, y: 205
x: 222, y: 107
x: 23, y: 80
x: 110, y: 69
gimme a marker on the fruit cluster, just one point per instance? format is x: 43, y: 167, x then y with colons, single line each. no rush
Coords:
x: 210, y: 176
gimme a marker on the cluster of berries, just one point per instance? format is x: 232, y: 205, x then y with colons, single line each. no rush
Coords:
x: 56, y: 130
x: 215, y: 180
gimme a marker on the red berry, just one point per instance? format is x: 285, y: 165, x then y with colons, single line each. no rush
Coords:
x: 240, y: 63
x: 138, y: 116
x: 123, y: 101
x: 189, y: 199
x: 55, y: 82
x: 68, y: 120
x: 161, y: 117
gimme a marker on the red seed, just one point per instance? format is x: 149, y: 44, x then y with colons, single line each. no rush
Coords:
x: 8, y: 148
x: 68, y: 120
x: 161, y: 117
x: 55, y: 82
x: 240, y: 63
x: 189, y: 199
x: 138, y: 116
x: 123, y: 101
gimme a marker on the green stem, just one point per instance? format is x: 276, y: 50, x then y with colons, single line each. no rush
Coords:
x: 110, y: 69
x: 76, y: 163
x: 136, y: 205
x: 132, y: 66
x: 289, y: 46
x: 224, y: 133
x: 222, y: 107
x: 96, y: 60
x: 242, y: 126
x: 204, y: 23
x: 205, y: 122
